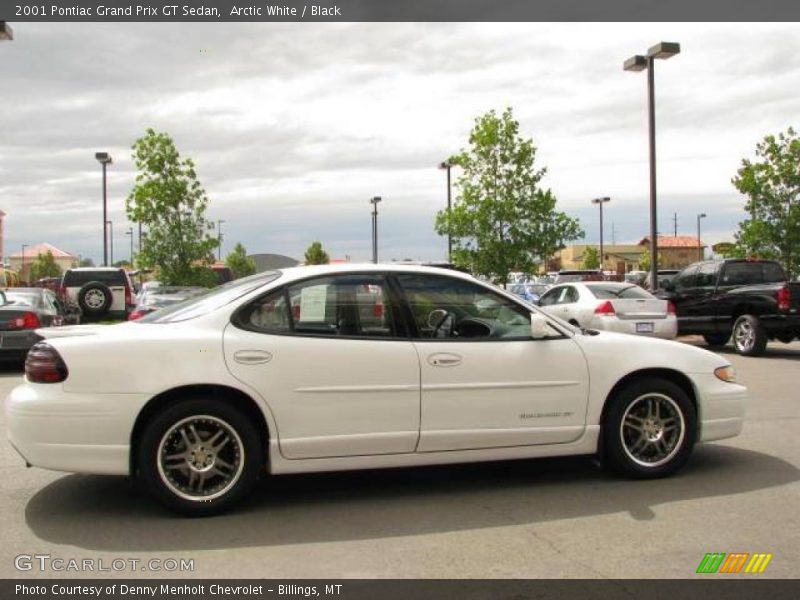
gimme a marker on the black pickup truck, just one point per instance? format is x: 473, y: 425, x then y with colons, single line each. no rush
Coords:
x: 750, y: 299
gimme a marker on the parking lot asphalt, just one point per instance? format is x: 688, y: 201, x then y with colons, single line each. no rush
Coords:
x: 524, y: 519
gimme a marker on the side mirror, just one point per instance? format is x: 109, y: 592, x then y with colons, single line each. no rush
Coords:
x: 539, y: 327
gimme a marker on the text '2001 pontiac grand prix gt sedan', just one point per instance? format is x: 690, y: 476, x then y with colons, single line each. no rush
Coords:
x: 355, y: 367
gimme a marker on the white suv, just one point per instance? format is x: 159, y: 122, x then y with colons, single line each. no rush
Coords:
x: 99, y: 291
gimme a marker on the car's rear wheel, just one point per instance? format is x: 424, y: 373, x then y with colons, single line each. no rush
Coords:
x: 749, y: 336
x: 95, y: 299
x: 649, y: 429
x: 199, y: 457
x: 716, y: 339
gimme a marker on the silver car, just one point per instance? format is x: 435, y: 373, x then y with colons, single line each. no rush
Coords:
x: 612, y: 306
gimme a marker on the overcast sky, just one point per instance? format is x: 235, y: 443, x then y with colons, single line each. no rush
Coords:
x: 293, y: 127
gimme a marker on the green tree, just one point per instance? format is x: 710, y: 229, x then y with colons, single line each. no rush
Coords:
x: 502, y: 218
x: 239, y: 263
x: 86, y: 262
x: 44, y: 266
x: 315, y: 255
x: 169, y: 200
x: 772, y: 186
x: 591, y: 258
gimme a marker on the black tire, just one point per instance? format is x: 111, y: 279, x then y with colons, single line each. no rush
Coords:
x: 95, y: 299
x: 716, y: 339
x: 231, y: 469
x: 749, y: 336
x: 649, y: 430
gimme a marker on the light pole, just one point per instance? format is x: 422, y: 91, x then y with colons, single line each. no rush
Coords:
x: 104, y: 159
x: 130, y: 233
x: 374, y: 201
x: 22, y: 265
x: 662, y: 50
x: 110, y: 225
x: 447, y: 166
x: 601, y: 201
x: 699, y: 243
x: 6, y: 33
x: 219, y: 238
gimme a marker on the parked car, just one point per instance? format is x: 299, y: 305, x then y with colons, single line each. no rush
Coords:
x: 277, y: 373
x: 99, y: 291
x: 566, y: 276
x: 635, y: 277
x: 612, y: 306
x: 51, y: 283
x: 747, y: 298
x: 664, y: 276
x: 158, y: 297
x: 529, y: 291
x: 22, y: 312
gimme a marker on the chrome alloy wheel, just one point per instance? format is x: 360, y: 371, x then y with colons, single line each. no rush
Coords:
x: 200, y: 458
x: 94, y: 298
x: 652, y: 430
x: 744, y: 336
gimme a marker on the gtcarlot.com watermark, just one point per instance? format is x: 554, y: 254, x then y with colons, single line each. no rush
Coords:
x: 48, y: 563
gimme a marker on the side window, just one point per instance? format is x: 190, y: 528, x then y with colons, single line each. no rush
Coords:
x: 449, y: 308
x: 742, y: 273
x: 707, y: 275
x: 550, y: 297
x: 569, y: 296
x: 686, y: 278
x: 269, y: 314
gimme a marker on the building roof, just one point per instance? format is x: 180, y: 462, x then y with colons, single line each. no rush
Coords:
x: 37, y: 249
x: 674, y: 241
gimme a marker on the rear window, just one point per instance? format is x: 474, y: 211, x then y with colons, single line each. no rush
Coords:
x: 81, y: 278
x: 748, y: 273
x: 612, y: 292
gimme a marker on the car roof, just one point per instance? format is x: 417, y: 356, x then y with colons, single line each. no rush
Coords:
x: 292, y: 273
x: 96, y: 269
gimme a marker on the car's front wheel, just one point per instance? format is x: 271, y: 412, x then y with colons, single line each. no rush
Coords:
x: 199, y: 457
x: 749, y: 336
x: 649, y: 429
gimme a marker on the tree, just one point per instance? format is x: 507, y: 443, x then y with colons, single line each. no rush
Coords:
x: 502, y: 218
x: 315, y: 255
x: 169, y: 200
x: 44, y: 265
x: 239, y: 263
x: 772, y: 186
x: 591, y: 258
x: 86, y: 262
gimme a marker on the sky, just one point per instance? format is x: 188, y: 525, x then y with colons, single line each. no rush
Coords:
x: 295, y: 126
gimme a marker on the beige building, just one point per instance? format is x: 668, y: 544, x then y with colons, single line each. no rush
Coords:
x: 675, y: 252
x: 22, y: 264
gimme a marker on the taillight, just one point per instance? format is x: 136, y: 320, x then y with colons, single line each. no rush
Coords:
x: 606, y: 309
x: 137, y: 314
x: 671, y: 310
x: 44, y: 365
x: 378, y: 310
x: 27, y: 321
x: 784, y: 297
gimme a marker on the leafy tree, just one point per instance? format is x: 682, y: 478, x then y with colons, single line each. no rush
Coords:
x: 239, y: 263
x: 123, y: 264
x: 171, y: 202
x: 502, y: 219
x: 86, y: 262
x: 772, y: 186
x: 644, y: 259
x: 45, y: 265
x: 591, y: 258
x: 315, y: 255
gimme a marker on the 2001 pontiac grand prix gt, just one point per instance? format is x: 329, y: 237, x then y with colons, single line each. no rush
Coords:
x: 355, y: 367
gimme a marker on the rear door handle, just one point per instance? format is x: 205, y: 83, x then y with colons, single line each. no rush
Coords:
x: 444, y: 359
x: 252, y: 357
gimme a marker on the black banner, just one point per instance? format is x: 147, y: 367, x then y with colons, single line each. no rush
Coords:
x: 713, y: 588
x: 399, y: 10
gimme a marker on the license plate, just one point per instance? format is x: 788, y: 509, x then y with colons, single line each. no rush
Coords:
x: 644, y: 328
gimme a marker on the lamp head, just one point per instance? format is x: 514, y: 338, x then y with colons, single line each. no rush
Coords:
x: 635, y: 63
x: 103, y: 158
x: 664, y: 50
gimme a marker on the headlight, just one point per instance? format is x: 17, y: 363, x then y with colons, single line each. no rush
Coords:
x: 726, y: 373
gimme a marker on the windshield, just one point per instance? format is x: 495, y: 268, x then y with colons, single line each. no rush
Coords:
x: 206, y: 303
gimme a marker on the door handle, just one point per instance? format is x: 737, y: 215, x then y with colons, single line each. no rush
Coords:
x: 444, y: 360
x: 252, y: 357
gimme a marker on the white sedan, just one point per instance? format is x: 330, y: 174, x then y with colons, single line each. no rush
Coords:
x: 611, y: 306
x: 353, y: 367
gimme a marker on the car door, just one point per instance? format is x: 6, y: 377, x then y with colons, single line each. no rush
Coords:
x: 485, y: 382
x: 335, y: 364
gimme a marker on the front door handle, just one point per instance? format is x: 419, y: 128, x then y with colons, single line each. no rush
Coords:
x: 444, y: 359
x: 252, y: 357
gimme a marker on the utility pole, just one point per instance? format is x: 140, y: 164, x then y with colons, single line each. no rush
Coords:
x: 675, y: 224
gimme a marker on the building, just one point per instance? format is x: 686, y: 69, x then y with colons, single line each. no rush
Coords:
x: 22, y: 264
x: 675, y: 252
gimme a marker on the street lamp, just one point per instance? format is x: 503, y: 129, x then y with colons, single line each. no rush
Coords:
x: 374, y: 201
x: 110, y: 225
x: 104, y: 159
x: 663, y: 50
x: 219, y: 238
x: 130, y: 233
x: 22, y: 265
x: 699, y: 243
x: 601, y: 201
x: 447, y: 166
x: 6, y: 33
